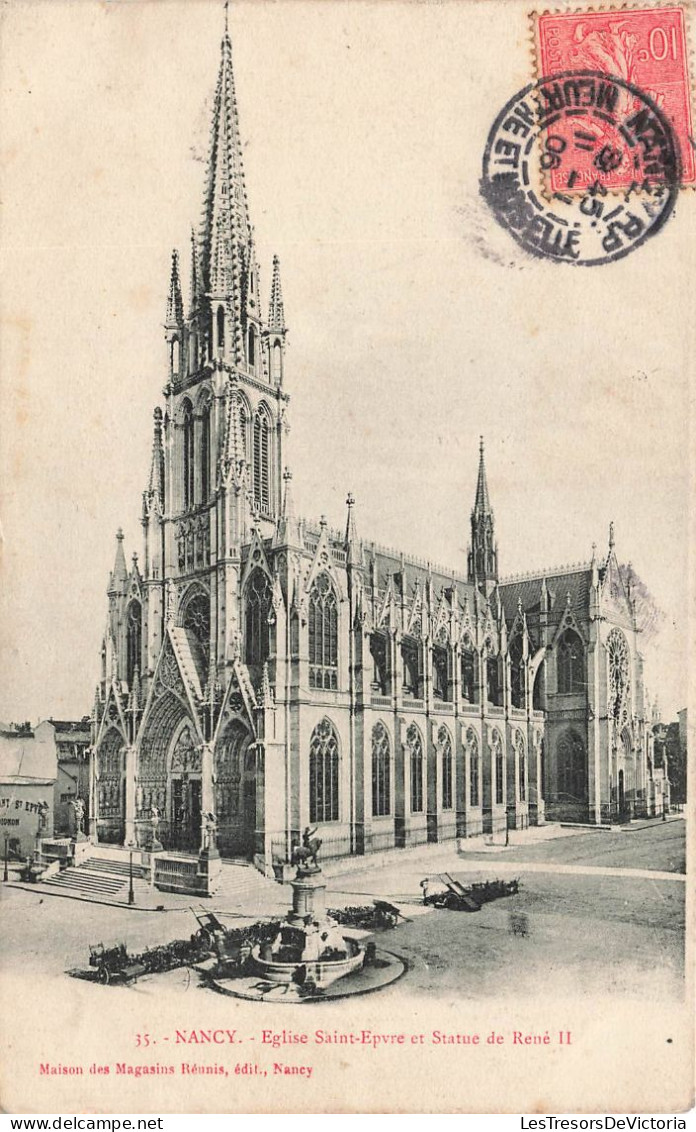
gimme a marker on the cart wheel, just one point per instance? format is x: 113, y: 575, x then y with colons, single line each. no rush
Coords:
x: 104, y: 976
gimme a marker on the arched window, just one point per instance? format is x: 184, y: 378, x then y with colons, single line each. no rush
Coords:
x: 410, y: 655
x: 380, y: 664
x: 440, y: 671
x: 323, y: 773
x: 468, y: 672
x: 572, y: 768
x: 474, y: 766
x: 517, y: 671
x: 189, y: 456
x: 175, y: 357
x: 251, y: 346
x: 205, y: 453
x: 262, y: 484
x: 323, y: 635
x: 193, y: 350
x: 258, y: 608
x: 415, y: 747
x: 276, y: 362
x: 196, y: 619
x: 134, y: 638
x: 570, y: 662
x: 220, y: 329
x: 499, y: 769
x: 381, y: 772
x: 521, y: 765
x: 619, y: 677
x: 538, y: 689
x: 493, y: 689
x: 445, y: 744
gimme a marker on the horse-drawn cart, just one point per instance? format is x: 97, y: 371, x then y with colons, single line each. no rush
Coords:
x: 114, y: 964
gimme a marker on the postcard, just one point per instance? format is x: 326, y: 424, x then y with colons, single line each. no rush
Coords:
x: 347, y: 480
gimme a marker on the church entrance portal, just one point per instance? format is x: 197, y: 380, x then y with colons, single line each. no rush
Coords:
x: 185, y: 818
x: 235, y: 791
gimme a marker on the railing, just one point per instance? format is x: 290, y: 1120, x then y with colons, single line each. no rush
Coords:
x: 445, y: 707
x: 176, y: 866
x: 380, y: 839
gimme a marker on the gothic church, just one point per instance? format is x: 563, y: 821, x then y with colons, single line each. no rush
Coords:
x: 277, y: 673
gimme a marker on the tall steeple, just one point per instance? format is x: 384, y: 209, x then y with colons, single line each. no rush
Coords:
x: 483, y: 552
x: 229, y: 277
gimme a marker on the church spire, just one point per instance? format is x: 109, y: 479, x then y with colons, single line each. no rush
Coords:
x: 226, y: 233
x: 483, y: 552
x: 482, y: 503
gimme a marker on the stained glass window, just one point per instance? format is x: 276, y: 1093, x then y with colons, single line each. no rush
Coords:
x: 258, y: 607
x: 381, y: 772
x: 323, y: 773
x: 445, y: 744
x: 415, y: 747
x: 323, y: 635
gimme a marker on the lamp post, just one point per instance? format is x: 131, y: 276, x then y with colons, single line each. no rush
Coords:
x: 131, y: 893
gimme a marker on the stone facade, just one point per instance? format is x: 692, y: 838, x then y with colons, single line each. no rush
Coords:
x: 277, y: 673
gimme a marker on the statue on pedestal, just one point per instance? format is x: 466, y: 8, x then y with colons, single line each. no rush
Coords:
x: 208, y: 832
x: 305, y: 855
x: 79, y: 819
x: 155, y: 843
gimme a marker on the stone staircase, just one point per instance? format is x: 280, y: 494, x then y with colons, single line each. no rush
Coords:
x: 84, y: 880
x: 243, y: 891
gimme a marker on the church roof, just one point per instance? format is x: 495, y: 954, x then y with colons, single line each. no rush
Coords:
x: 526, y: 589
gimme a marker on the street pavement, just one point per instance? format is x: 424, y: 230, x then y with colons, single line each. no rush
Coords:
x: 596, y: 913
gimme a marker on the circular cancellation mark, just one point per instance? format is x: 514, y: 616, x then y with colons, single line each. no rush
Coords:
x: 581, y: 168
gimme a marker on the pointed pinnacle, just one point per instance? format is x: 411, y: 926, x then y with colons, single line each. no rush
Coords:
x: 288, y: 501
x: 276, y: 310
x: 351, y: 533
x: 156, y: 485
x: 120, y: 572
x: 175, y: 305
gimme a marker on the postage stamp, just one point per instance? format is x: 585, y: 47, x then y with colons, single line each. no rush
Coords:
x: 644, y: 47
x: 542, y: 131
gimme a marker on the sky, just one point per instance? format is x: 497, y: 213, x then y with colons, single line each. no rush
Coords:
x: 415, y: 323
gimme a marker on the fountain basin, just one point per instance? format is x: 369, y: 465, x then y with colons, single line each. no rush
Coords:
x: 322, y: 972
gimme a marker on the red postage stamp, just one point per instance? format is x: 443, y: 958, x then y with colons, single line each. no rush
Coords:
x: 647, y: 49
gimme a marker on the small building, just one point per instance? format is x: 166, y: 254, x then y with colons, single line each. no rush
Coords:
x: 72, y: 738
x: 28, y: 773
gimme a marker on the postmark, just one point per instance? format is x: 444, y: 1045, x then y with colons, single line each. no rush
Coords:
x: 647, y: 48
x: 576, y: 219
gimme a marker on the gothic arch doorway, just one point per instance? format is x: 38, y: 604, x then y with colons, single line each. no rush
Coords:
x: 110, y: 789
x: 235, y: 791
x: 185, y: 792
x: 622, y: 793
